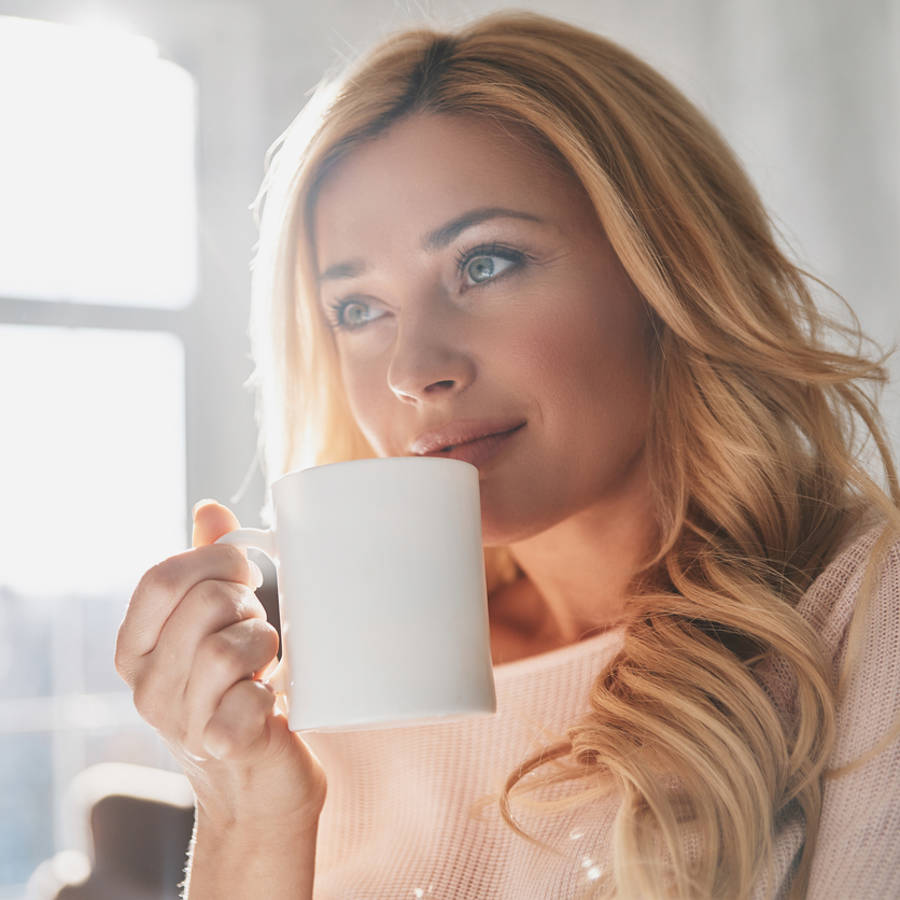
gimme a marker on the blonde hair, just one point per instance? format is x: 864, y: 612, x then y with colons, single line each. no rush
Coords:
x: 753, y: 448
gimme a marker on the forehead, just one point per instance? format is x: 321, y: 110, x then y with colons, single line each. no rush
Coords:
x: 427, y: 168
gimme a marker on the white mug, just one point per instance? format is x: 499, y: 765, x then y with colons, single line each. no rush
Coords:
x: 382, y: 594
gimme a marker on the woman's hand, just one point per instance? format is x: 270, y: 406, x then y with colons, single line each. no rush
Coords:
x: 192, y: 647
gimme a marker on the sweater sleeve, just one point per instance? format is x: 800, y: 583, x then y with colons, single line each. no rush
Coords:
x: 858, y: 847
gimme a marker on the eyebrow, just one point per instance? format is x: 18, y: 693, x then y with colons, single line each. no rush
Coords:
x: 437, y: 239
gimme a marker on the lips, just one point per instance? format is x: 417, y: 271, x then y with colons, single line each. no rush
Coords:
x: 462, y: 432
x: 481, y: 451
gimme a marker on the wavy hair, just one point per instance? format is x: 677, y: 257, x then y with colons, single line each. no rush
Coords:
x: 754, y: 448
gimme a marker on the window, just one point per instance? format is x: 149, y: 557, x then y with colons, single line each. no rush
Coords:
x: 97, y: 174
x: 98, y: 244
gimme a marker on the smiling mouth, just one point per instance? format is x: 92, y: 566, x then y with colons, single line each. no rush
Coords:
x: 484, y: 437
x: 479, y: 451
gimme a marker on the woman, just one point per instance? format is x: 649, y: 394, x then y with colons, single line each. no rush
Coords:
x: 520, y: 228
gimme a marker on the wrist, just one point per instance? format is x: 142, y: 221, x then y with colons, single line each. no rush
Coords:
x: 255, y: 802
x: 267, y: 857
x: 255, y: 832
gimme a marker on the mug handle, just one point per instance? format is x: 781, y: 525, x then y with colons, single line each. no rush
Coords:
x: 262, y: 539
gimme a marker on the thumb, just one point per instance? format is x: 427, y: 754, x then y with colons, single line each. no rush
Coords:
x: 211, y: 521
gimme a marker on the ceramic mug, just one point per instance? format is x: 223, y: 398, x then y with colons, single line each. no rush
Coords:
x: 382, y: 593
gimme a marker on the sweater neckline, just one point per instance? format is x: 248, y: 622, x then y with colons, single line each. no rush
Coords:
x: 561, y: 656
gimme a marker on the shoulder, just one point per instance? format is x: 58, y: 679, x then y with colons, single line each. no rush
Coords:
x: 856, y: 849
x: 830, y: 601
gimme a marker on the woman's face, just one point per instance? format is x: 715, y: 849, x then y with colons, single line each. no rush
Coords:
x: 467, y: 278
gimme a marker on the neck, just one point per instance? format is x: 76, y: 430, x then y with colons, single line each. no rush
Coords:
x: 577, y: 573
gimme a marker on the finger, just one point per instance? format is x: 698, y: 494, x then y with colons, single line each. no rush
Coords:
x: 222, y: 660
x: 239, y: 721
x: 206, y: 609
x: 211, y: 521
x: 163, y: 587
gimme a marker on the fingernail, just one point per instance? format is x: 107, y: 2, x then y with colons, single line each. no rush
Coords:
x: 213, y: 748
x: 256, y: 574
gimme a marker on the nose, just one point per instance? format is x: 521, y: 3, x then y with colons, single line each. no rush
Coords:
x: 431, y: 358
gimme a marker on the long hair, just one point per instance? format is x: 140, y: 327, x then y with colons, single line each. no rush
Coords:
x: 754, y: 450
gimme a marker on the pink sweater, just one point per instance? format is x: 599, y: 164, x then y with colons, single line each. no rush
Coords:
x: 397, y: 823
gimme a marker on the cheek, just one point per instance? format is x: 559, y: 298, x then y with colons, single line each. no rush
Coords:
x: 361, y: 384
x: 586, y: 357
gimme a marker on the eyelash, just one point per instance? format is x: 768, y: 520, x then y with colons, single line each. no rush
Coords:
x: 463, y: 258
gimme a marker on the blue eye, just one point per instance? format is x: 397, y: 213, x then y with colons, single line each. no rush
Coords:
x: 349, y: 314
x: 487, y: 262
x: 478, y: 266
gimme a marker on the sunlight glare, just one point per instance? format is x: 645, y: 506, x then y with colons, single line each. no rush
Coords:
x: 96, y: 167
x: 94, y: 488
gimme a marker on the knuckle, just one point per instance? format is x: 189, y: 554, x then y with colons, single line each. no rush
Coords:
x: 122, y: 660
x: 159, y: 578
x: 207, y: 595
x: 217, y: 742
x: 270, y: 636
x: 261, y: 640
x: 220, y: 655
x: 146, y: 702
x: 265, y: 702
x: 218, y: 738
x: 252, y: 727
x: 209, y: 601
x: 217, y: 597
x: 236, y: 557
x: 238, y: 721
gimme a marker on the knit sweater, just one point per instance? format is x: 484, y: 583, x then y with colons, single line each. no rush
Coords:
x: 401, y: 818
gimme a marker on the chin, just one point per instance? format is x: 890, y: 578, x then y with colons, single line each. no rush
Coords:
x: 497, y: 532
x: 494, y: 533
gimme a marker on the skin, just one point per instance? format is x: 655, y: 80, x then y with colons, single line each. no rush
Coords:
x: 556, y: 336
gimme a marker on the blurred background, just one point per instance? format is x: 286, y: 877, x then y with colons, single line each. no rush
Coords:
x: 132, y: 144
